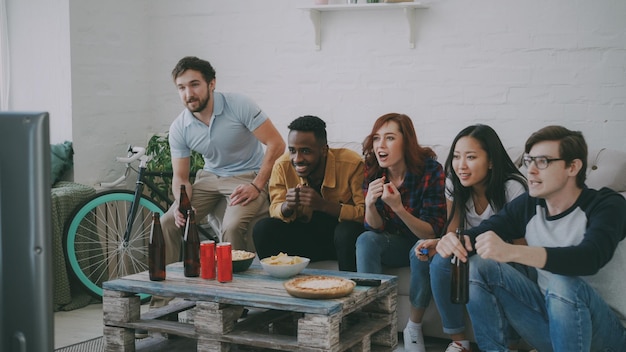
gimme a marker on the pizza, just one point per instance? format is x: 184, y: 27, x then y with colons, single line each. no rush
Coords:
x: 320, y: 287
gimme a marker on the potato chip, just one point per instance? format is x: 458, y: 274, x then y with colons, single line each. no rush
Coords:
x: 241, y: 255
x: 282, y: 259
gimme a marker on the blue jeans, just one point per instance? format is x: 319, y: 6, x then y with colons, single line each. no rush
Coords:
x: 375, y: 249
x: 452, y: 315
x: 419, y: 291
x: 570, y: 316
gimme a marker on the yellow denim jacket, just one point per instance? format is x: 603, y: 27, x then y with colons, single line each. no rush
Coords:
x: 343, y: 183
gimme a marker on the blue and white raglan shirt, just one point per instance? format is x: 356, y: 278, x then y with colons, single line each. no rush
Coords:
x: 585, y: 240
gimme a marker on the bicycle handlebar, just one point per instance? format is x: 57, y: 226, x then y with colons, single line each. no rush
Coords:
x: 137, y: 152
x: 134, y: 154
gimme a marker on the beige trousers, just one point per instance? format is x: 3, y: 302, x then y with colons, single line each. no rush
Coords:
x: 208, y: 190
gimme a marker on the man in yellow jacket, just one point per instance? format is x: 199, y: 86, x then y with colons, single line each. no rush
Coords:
x: 316, y: 196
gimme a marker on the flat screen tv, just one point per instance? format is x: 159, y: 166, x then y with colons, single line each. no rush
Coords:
x: 26, y: 318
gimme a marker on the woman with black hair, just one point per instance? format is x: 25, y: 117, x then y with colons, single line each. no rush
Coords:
x: 481, y: 179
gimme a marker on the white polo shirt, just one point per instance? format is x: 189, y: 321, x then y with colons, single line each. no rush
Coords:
x: 228, y: 145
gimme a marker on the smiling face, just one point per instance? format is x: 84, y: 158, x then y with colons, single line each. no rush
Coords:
x: 307, y: 156
x: 470, y: 162
x: 552, y: 180
x: 388, y: 145
x: 194, y: 91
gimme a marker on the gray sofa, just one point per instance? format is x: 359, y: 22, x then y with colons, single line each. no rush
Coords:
x: 606, y: 168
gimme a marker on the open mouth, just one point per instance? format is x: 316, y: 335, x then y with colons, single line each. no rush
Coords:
x: 301, y: 169
x: 382, y: 156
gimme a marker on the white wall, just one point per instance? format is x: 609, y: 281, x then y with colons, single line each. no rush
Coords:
x: 516, y: 65
x: 39, y: 41
x: 111, y: 84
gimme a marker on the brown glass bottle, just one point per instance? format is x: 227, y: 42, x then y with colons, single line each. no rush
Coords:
x: 191, y: 253
x: 184, y: 204
x: 460, y: 277
x: 156, y: 250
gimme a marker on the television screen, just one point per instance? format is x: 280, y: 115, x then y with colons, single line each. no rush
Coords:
x: 26, y: 322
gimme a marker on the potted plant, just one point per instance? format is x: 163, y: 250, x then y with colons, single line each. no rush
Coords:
x: 158, y: 149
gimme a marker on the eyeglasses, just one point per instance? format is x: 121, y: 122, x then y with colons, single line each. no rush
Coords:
x: 541, y: 162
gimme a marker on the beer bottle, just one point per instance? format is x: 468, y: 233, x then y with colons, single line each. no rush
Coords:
x: 460, y: 277
x: 191, y: 254
x: 156, y: 250
x: 184, y: 204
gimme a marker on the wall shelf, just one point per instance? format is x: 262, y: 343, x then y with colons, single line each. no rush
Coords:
x: 409, y: 8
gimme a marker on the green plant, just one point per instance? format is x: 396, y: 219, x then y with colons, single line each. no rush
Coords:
x: 158, y: 149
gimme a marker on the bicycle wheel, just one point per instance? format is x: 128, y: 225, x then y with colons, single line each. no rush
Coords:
x: 94, y: 240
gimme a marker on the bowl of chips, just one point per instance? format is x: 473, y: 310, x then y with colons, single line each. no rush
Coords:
x: 283, y: 266
x: 242, y: 260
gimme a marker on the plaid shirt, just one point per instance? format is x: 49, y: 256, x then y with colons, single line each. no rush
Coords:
x: 422, y: 196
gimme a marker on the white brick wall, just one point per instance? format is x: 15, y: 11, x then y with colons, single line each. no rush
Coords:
x: 39, y: 43
x: 516, y: 65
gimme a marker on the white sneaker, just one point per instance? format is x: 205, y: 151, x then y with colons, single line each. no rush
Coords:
x: 413, y: 340
x: 456, y: 347
x: 141, y: 333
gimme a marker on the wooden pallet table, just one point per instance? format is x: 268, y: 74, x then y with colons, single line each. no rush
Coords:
x: 365, y: 320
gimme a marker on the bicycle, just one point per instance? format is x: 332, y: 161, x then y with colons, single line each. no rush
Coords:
x: 107, y: 235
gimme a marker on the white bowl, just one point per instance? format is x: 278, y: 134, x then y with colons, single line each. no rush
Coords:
x: 283, y: 271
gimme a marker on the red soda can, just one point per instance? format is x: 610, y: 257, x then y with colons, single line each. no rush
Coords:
x: 207, y: 259
x: 224, y: 262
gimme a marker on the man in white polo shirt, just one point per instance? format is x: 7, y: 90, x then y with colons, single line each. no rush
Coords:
x: 229, y: 130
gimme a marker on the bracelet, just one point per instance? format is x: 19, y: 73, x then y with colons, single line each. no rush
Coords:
x: 255, y: 187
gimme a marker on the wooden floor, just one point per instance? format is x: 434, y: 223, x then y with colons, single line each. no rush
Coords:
x: 86, y: 323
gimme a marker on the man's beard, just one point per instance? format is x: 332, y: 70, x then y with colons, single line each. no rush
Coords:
x: 203, y: 104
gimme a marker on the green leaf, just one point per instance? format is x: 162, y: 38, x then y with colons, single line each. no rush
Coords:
x: 158, y: 149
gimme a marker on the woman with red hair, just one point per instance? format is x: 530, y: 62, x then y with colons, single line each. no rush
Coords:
x: 404, y: 189
x: 404, y: 194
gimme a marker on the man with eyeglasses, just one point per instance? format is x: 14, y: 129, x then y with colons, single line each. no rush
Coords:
x: 574, y: 235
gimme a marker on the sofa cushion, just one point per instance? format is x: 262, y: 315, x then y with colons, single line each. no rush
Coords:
x: 606, y: 168
x: 61, y: 160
